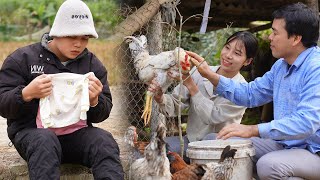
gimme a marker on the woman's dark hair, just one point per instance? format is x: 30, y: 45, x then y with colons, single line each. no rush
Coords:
x: 300, y: 20
x: 249, y: 41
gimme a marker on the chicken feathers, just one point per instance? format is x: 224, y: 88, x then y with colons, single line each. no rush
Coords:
x: 131, y: 138
x: 176, y: 162
x: 183, y: 171
x: 154, y: 165
x: 191, y: 172
x: 149, y: 67
x: 223, y: 169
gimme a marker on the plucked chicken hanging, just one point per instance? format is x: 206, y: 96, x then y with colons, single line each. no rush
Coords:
x: 149, y: 67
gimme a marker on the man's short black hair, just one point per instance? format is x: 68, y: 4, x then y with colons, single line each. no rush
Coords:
x: 300, y: 20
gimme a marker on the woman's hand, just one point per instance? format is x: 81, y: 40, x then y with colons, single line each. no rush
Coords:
x: 203, y: 68
x: 200, y: 63
x: 187, y: 81
x: 155, y: 88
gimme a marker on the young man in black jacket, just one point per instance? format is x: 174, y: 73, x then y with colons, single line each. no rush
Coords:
x: 24, y: 80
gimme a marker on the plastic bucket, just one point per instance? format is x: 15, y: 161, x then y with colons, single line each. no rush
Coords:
x: 202, y: 152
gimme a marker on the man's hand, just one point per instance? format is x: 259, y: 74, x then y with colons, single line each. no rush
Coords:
x: 203, y: 68
x: 200, y: 63
x: 238, y: 130
x: 155, y: 88
x: 95, y: 88
x: 39, y: 87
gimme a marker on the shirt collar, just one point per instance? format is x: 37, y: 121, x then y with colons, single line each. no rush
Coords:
x: 302, y: 56
x: 298, y: 62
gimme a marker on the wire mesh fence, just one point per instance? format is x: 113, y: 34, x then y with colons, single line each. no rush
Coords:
x: 133, y: 89
x: 133, y: 94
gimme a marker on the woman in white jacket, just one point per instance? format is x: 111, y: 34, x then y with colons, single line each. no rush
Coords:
x: 208, y: 112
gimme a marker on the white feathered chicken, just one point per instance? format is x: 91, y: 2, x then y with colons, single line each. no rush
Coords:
x: 223, y: 169
x: 154, y: 164
x: 150, y: 66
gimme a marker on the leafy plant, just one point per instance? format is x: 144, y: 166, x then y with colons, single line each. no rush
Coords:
x: 31, y: 16
x: 207, y: 45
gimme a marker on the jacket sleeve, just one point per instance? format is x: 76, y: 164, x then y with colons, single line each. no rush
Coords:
x: 170, y: 105
x: 217, y: 111
x: 12, y: 80
x: 211, y: 111
x: 102, y: 110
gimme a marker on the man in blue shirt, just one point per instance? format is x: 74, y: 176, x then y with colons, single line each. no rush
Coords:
x: 288, y: 146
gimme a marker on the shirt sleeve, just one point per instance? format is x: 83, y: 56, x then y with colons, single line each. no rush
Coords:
x: 252, y: 94
x: 305, y: 120
x: 170, y: 105
x: 212, y: 112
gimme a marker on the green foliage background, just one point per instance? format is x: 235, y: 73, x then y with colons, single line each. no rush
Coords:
x: 209, y: 46
x: 20, y: 17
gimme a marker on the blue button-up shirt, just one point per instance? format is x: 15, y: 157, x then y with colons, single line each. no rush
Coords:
x: 295, y: 92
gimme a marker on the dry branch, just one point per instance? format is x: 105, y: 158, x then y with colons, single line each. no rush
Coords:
x: 138, y: 19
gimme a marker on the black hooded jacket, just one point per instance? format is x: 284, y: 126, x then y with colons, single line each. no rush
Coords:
x: 25, y: 64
